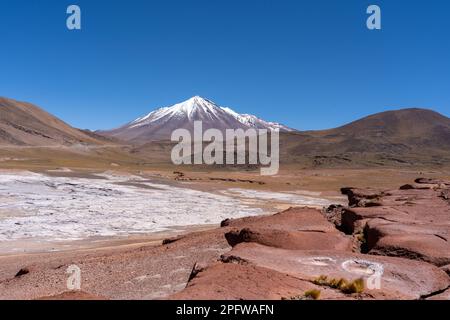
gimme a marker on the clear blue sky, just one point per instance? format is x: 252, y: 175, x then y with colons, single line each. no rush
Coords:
x: 309, y: 64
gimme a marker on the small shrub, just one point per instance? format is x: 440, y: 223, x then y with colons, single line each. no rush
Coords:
x: 312, y: 294
x: 356, y: 286
x: 361, y: 237
x: 321, y: 281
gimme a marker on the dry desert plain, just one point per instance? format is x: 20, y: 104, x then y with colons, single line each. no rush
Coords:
x: 92, y: 212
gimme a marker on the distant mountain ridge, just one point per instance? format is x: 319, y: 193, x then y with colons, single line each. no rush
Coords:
x: 407, y: 136
x: 405, y: 127
x: 159, y: 124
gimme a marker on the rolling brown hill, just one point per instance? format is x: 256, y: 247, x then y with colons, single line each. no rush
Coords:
x: 24, y: 124
x: 408, y: 137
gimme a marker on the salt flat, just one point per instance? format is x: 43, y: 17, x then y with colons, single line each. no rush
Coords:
x: 40, y: 207
x: 283, y: 197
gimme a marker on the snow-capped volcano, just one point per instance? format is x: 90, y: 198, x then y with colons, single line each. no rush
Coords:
x: 159, y: 124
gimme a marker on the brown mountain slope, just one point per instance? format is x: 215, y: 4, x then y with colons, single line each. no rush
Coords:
x: 410, y: 127
x: 408, y: 136
x: 23, y: 124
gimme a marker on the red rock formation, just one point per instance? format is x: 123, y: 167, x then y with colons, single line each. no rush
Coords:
x: 284, y: 255
x: 399, y: 278
x: 411, y: 222
x: 229, y: 281
x: 297, y: 229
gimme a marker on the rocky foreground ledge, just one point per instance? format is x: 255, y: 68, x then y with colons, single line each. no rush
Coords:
x: 385, y: 245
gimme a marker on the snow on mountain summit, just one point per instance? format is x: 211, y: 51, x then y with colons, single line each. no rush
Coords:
x: 187, y: 108
x: 198, y: 105
x: 159, y: 124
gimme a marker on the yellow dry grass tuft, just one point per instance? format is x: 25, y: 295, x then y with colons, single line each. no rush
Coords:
x: 345, y: 286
